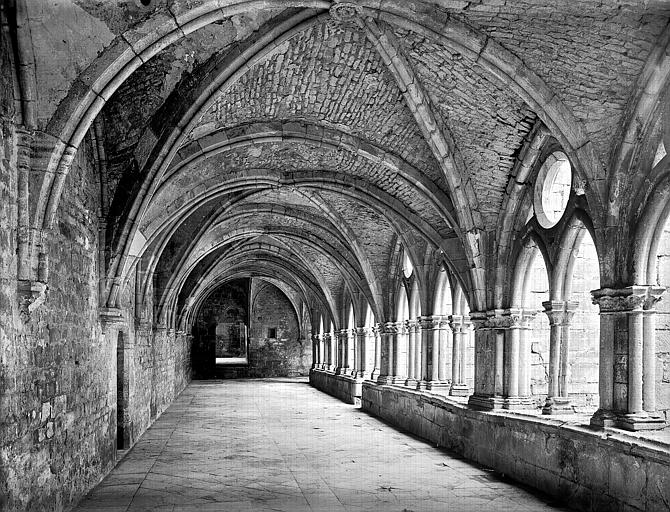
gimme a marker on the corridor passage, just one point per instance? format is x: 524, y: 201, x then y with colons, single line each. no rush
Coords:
x: 280, y: 445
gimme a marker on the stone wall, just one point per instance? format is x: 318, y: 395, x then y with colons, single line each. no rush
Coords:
x: 574, y: 464
x: 344, y: 387
x: 58, y: 368
x: 285, y: 354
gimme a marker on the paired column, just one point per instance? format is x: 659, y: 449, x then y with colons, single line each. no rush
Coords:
x: 560, y: 314
x: 414, y: 354
x: 330, y: 348
x: 388, y: 334
x: 439, y: 353
x: 425, y: 337
x: 627, y: 342
x: 516, y: 360
x: 375, y: 337
x: 360, y: 366
x: 401, y: 340
x: 460, y: 327
x: 488, y: 325
x: 316, y: 352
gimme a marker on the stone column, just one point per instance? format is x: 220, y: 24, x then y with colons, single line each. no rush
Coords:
x: 377, y: 364
x: 426, y: 333
x: 418, y: 352
x: 322, y: 351
x: 560, y: 313
x: 330, y: 351
x: 352, y: 352
x: 621, y: 358
x: 388, y: 335
x: 315, y: 351
x: 486, y: 325
x: 445, y: 339
x: 401, y: 339
x: 649, y: 351
x: 414, y: 340
x: 499, y: 362
x: 361, y: 366
x: 460, y: 326
x: 524, y: 353
x: 342, y: 352
x: 437, y: 376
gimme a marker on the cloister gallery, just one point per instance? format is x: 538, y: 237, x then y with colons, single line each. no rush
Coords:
x: 452, y: 214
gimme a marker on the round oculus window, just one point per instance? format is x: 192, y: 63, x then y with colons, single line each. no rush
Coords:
x: 552, y: 189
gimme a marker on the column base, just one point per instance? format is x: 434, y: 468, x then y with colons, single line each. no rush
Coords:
x: 603, y: 418
x: 374, y: 375
x: 385, y: 379
x: 485, y: 402
x: 558, y: 405
x: 410, y: 382
x: 459, y: 390
x: 341, y: 370
x: 421, y: 384
x: 641, y: 421
x: 398, y: 380
x: 436, y: 384
x: 514, y: 403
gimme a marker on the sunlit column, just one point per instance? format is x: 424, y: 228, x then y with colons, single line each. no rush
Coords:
x: 377, y: 333
x: 622, y: 348
x: 400, y: 342
x: 411, y: 353
x: 649, y: 350
x: 461, y: 330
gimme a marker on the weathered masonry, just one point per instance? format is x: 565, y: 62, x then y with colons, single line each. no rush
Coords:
x: 452, y: 212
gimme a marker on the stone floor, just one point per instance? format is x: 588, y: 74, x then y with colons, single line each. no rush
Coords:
x: 280, y: 445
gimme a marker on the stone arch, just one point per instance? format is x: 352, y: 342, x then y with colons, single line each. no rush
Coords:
x: 76, y: 113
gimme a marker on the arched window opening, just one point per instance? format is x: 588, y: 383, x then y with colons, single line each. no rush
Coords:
x: 372, y: 346
x: 659, y: 401
x: 463, y: 353
x: 413, y: 338
x: 443, y: 295
x: 351, y: 345
x: 407, y: 267
x: 581, y: 371
x: 552, y: 189
x: 401, y: 344
x: 369, y: 317
x: 536, y: 347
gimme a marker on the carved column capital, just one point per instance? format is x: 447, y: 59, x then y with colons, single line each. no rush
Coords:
x: 426, y: 322
x: 110, y: 317
x: 560, y: 312
x: 630, y: 298
x: 482, y: 319
x: 390, y: 328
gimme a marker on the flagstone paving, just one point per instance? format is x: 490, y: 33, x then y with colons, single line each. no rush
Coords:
x: 280, y: 445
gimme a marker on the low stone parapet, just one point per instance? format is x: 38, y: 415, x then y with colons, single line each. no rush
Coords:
x: 589, y: 469
x: 345, y: 387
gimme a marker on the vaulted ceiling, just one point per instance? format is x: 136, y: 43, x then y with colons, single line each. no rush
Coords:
x: 307, y: 140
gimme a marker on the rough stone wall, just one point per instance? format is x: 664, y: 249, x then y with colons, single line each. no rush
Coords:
x: 58, y: 372
x: 57, y: 434
x: 284, y: 355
